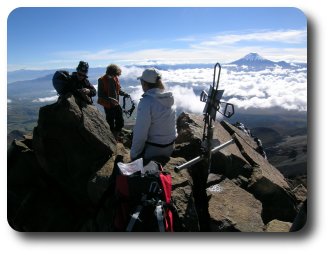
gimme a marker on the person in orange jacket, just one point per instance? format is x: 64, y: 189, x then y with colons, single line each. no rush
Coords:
x: 109, y: 90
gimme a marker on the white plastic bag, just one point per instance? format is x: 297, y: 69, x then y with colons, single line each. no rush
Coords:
x: 130, y: 168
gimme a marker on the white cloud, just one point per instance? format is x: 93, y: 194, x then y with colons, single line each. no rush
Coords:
x: 282, y: 36
x: 186, y: 99
x: 209, y: 49
x: 281, y: 88
x: 194, y: 76
x: 132, y: 72
x: 45, y: 99
x: 284, y: 88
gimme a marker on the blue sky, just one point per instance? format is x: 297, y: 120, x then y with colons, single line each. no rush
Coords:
x: 47, y: 38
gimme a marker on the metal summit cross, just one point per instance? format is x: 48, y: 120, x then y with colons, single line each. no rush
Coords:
x: 212, y: 106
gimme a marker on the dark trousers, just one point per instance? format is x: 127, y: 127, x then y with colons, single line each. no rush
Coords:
x: 114, y: 117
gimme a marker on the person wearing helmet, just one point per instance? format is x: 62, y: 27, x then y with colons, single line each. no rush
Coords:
x: 154, y: 132
x: 108, y: 91
x: 81, y: 83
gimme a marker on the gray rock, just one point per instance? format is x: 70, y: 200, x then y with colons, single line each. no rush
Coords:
x: 190, y: 133
x: 71, y: 143
x: 233, y: 209
x: 268, y: 185
x: 243, y: 164
x: 182, y: 196
x: 300, y: 192
x: 278, y: 226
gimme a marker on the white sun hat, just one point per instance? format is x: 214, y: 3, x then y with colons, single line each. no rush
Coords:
x: 151, y: 75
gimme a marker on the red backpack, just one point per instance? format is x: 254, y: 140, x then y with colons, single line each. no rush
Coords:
x: 144, y: 202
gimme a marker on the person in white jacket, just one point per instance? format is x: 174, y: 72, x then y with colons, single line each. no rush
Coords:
x: 155, y: 130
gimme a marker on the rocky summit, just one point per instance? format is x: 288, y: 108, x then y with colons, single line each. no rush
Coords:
x: 59, y: 177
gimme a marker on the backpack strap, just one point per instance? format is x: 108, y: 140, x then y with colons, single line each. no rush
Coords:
x: 166, y: 182
x: 159, y: 215
x: 134, y: 217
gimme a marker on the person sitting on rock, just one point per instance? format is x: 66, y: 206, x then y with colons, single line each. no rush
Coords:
x: 81, y: 84
x: 155, y: 130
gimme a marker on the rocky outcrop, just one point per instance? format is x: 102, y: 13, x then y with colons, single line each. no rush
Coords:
x: 59, y: 179
x: 183, y: 197
x: 243, y: 164
x: 34, y: 200
x: 50, y: 176
x: 71, y: 142
x: 231, y: 208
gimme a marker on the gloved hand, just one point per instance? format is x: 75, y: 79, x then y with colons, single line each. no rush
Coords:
x: 85, y: 90
x: 85, y: 96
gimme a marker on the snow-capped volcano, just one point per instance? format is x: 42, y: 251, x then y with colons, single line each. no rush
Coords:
x: 253, y: 57
x: 256, y: 62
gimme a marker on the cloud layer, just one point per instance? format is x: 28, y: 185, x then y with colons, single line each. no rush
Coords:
x: 248, y: 90
x: 284, y: 88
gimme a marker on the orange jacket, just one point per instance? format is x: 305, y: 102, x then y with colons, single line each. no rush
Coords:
x: 108, y: 87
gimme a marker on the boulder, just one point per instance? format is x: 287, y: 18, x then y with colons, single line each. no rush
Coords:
x: 190, y: 133
x: 23, y: 176
x: 231, y: 129
x: 71, y: 142
x: 300, y: 192
x: 35, y: 202
x: 100, y: 181
x: 268, y: 185
x: 183, y: 198
x: 278, y: 226
x: 232, y: 208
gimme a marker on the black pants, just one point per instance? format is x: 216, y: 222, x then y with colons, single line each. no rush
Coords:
x: 114, y: 117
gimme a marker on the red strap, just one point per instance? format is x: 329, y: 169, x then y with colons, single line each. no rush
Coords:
x: 166, y: 181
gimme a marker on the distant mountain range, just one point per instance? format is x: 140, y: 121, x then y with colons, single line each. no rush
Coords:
x: 28, y: 75
x: 252, y: 61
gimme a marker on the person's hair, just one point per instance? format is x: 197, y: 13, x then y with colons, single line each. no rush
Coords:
x: 113, y: 69
x: 159, y: 84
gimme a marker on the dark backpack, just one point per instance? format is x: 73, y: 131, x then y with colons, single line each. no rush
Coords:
x: 144, y: 202
x: 61, y: 82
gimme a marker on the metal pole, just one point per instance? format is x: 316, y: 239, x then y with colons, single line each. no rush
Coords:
x: 221, y: 146
x: 199, y: 158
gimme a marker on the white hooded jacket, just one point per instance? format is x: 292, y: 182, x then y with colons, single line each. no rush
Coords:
x: 156, y: 120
